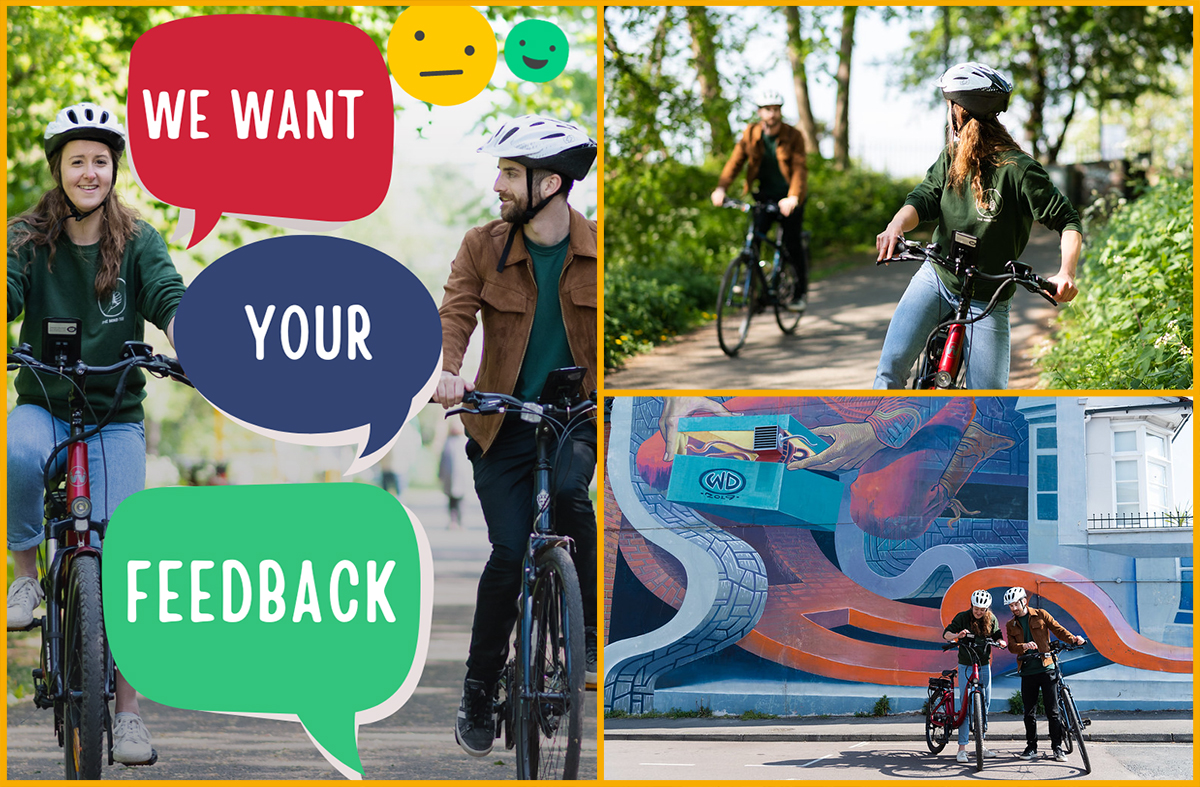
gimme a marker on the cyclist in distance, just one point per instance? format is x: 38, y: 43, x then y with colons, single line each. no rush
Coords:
x: 773, y: 153
x: 81, y: 252
x: 982, y: 184
x: 982, y: 623
x: 531, y: 277
x: 1029, y: 632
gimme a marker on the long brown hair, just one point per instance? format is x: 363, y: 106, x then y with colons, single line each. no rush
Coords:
x: 43, y: 225
x: 975, y: 152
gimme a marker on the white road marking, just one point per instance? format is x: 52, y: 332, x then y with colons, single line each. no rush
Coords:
x: 670, y: 764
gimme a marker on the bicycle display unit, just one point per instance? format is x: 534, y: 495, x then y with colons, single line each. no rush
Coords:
x: 541, y: 713
x: 751, y: 284
x: 76, y: 675
x: 944, y: 361
x: 1072, y: 723
x: 940, y: 716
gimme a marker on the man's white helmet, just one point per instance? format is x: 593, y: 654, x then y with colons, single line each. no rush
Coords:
x: 84, y: 121
x: 1013, y: 595
x: 981, y: 598
x: 768, y: 97
x: 544, y: 143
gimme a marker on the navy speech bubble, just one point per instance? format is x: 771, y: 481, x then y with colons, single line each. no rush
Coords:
x: 314, y: 340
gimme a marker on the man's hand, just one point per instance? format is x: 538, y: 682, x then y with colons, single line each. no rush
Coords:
x: 450, y: 390
x: 1029, y: 645
x: 1078, y: 640
x: 788, y: 204
x: 718, y: 197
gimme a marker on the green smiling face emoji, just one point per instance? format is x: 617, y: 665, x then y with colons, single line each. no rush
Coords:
x: 536, y: 50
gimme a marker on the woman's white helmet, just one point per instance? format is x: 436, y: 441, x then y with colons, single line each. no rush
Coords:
x: 981, y: 598
x: 1013, y: 595
x: 84, y: 121
x: 544, y: 143
x: 768, y: 97
x: 981, y: 90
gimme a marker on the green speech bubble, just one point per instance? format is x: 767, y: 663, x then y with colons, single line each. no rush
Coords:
x: 302, y: 602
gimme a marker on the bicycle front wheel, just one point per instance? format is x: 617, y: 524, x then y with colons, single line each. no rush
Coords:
x: 1068, y: 726
x: 977, y: 717
x: 86, y: 706
x: 549, y: 718
x: 1069, y: 711
x: 937, y: 715
x: 785, y: 295
x: 736, y: 302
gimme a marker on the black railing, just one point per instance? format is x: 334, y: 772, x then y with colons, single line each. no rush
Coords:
x: 1160, y: 521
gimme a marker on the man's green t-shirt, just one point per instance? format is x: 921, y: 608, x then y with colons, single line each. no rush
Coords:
x: 772, y: 186
x: 1030, y: 666
x: 548, y: 348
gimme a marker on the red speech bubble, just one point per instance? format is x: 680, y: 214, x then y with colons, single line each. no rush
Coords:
x: 278, y: 119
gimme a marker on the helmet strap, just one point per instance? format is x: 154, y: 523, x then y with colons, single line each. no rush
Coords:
x: 529, y: 213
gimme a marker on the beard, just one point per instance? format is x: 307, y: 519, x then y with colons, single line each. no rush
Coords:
x: 513, y: 210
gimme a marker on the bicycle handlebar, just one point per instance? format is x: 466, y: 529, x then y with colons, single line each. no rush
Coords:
x: 481, y: 403
x: 1018, y: 272
x: 136, y: 354
x: 1057, y: 646
x: 746, y: 207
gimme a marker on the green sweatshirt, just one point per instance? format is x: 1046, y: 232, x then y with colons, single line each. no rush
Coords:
x: 547, y: 349
x: 1019, y: 192
x: 149, y: 288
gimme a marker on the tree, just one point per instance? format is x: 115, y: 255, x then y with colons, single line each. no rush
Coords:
x: 715, y: 106
x: 841, y: 117
x: 798, y: 48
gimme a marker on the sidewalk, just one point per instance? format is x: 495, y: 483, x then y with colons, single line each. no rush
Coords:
x: 1106, y: 727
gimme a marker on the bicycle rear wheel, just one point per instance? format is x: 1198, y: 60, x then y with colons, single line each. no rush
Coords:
x: 937, y: 715
x: 85, y: 707
x: 736, y: 301
x: 1076, y: 727
x: 549, y: 720
x: 785, y: 295
x: 977, y: 721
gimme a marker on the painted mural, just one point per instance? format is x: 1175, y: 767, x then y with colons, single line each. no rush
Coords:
x: 816, y: 546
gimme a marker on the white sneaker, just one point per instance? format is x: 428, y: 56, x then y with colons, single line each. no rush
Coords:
x: 24, y: 595
x: 989, y: 754
x: 962, y: 757
x: 131, y: 739
x: 798, y: 305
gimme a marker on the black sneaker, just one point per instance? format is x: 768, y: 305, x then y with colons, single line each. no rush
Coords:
x: 1030, y: 753
x: 475, y: 728
x: 1059, y: 756
x: 590, y: 659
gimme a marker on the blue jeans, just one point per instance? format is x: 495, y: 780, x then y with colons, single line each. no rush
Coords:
x: 116, y: 468
x: 985, y: 677
x: 921, y: 308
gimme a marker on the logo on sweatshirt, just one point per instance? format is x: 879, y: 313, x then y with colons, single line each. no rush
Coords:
x: 115, y: 305
x: 993, y: 203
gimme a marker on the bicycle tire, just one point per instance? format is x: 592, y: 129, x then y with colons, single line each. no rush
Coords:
x: 977, y: 719
x: 735, y: 309
x: 85, y: 706
x: 785, y: 293
x: 937, y: 733
x: 551, y: 690
x: 1076, y: 727
x: 1068, y: 743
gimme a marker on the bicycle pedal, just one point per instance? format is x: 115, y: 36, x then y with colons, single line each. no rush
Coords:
x: 153, y: 759
x: 36, y: 624
x: 1085, y: 722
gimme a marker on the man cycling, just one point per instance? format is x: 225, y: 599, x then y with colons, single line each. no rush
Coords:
x: 1029, y: 632
x: 773, y: 153
x: 532, y: 276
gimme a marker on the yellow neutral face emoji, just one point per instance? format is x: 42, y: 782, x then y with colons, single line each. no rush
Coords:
x: 442, y: 54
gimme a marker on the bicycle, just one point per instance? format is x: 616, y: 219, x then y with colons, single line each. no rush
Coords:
x: 1072, y: 723
x: 940, y: 716
x: 946, y: 355
x: 750, y: 285
x: 76, y: 676
x: 541, y: 714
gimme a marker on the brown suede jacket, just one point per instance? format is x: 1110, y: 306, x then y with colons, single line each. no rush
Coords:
x: 749, y: 151
x: 1041, y: 623
x: 506, y: 300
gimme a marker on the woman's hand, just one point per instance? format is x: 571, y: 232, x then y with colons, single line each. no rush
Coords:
x: 1065, y: 289
x: 905, y: 219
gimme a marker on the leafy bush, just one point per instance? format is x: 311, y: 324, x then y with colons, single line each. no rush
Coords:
x: 1131, y: 325
x: 1016, y: 705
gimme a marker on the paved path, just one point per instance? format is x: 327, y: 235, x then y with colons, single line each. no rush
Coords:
x: 417, y: 742
x: 838, y: 342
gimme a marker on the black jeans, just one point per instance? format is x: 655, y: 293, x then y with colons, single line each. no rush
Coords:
x: 504, y: 483
x: 1030, y: 686
x: 793, y: 241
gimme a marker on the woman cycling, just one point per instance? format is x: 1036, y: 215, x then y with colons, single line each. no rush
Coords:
x: 80, y: 252
x: 983, y: 184
x: 983, y: 625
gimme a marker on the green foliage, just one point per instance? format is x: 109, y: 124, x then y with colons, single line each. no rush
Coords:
x: 1131, y: 325
x: 882, y: 707
x: 753, y: 715
x: 1016, y: 705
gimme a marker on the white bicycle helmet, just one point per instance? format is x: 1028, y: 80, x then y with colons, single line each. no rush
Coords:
x: 768, y: 97
x: 544, y: 143
x: 981, y: 90
x: 84, y: 121
x: 981, y: 598
x: 1013, y: 595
